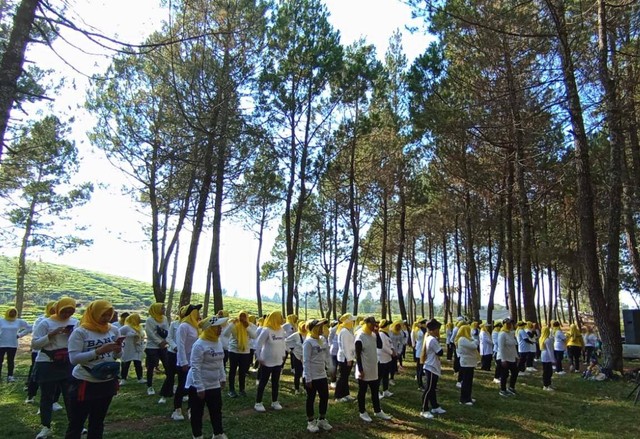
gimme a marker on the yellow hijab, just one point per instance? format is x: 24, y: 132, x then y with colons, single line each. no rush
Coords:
x: 464, y: 331
x: 155, y: 311
x: 62, y: 304
x: 575, y: 337
x: 316, y: 332
x: 292, y: 319
x: 396, y: 327
x: 485, y: 328
x: 343, y: 322
x: 302, y: 328
x: 544, y: 335
x: 8, y: 318
x: 384, y: 326
x: 91, y: 317
x: 209, y: 334
x: 449, y: 326
x: 241, y: 332
x: 133, y: 320
x: 49, y: 309
x: 274, y: 321
x: 192, y: 318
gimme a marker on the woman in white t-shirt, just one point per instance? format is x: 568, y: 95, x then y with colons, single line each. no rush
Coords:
x: 270, y: 351
x: 430, y: 353
x: 315, y: 359
x: 186, y: 336
x: 132, y: 347
x: 11, y: 329
x: 467, y: 350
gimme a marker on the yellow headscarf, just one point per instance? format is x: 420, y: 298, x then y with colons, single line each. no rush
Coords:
x: 133, y: 321
x: 62, y: 304
x: 302, y: 328
x: 252, y: 319
x: 91, y: 317
x: 344, y: 323
x: 209, y: 334
x: 316, y: 332
x: 396, y: 327
x: 544, y: 335
x: 241, y: 332
x: 292, y: 319
x: 223, y: 313
x: 464, y: 331
x: 384, y: 326
x: 274, y: 321
x: 486, y: 328
x: 192, y: 318
x: 7, y: 317
x: 575, y: 337
x: 50, y: 309
x: 449, y: 326
x: 155, y: 311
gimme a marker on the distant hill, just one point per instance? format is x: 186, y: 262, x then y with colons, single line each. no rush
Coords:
x: 47, y: 282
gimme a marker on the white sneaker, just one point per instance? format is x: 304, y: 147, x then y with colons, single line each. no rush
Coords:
x: 219, y: 436
x: 459, y: 385
x: 427, y: 415
x: 189, y: 414
x: 142, y: 381
x: 562, y: 372
x: 548, y: 388
x: 312, y: 426
x: 496, y: 381
x: 380, y: 395
x: 185, y: 398
x: 122, y: 382
x: 332, y: 385
x: 177, y: 415
x: 45, y: 432
x: 84, y: 432
x: 28, y: 401
x: 365, y: 417
x: 150, y: 391
x: 466, y: 403
x: 162, y: 400
x: 392, y: 383
x: 344, y: 399
x: 387, y: 394
x: 438, y: 411
x: 11, y: 379
x: 324, y: 425
x: 382, y: 415
x: 56, y: 407
x: 276, y: 405
x: 531, y: 369
x: 197, y: 437
x: 259, y: 407
x: 349, y: 398
x: 524, y: 374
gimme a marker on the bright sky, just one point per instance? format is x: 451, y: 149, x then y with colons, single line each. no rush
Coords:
x: 113, y: 221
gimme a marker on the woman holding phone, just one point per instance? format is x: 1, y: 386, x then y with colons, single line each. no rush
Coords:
x: 133, y: 347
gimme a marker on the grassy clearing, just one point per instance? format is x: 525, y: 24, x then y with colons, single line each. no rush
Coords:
x: 578, y: 409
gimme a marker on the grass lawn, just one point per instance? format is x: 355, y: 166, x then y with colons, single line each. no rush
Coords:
x: 578, y: 409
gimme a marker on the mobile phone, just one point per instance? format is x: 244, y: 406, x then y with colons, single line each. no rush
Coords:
x: 120, y: 340
x: 69, y: 328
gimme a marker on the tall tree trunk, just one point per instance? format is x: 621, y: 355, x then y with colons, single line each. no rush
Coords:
x: 383, y: 263
x: 400, y: 255
x: 263, y: 219
x: 22, y: 257
x: 445, y: 280
x: 172, y: 289
x: 509, y: 254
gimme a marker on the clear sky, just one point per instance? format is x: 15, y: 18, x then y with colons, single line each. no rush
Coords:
x: 114, y: 224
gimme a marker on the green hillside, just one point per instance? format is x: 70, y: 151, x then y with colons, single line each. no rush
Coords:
x: 47, y: 282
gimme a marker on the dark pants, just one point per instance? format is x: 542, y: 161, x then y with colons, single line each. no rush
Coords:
x: 393, y: 368
x: 50, y: 393
x: 575, y: 352
x: 153, y: 357
x: 170, y: 370
x: 180, y: 390
x: 419, y: 372
x: 383, y: 374
x: 498, y: 373
x: 88, y: 400
x: 32, y: 384
x: 547, y: 372
x: 486, y: 362
x: 266, y: 372
x: 522, y: 362
x: 362, y: 393
x: 11, y: 359
x: 238, y: 363
x: 213, y: 401
x: 429, y: 395
x: 451, y: 350
x: 321, y: 387
x: 342, y: 385
x: 137, y: 365
x: 297, y: 371
x: 334, y: 370
x: 588, y: 353
x: 509, y: 372
x: 559, y: 356
x: 530, y: 356
x: 467, y: 383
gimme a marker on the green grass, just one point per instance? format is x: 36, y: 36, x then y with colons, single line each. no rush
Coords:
x: 578, y: 409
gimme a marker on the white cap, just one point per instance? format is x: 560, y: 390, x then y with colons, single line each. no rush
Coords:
x: 214, y: 321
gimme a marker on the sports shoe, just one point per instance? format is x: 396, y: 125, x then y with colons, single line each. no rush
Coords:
x: 531, y: 369
x: 162, y: 400
x: 466, y: 403
x: 150, y: 391
x: 259, y: 407
x: 11, y: 379
x: 323, y: 424
x: 365, y: 417
x: 343, y: 399
x: 382, y: 415
x: 276, y: 405
x: 548, y: 388
x: 219, y: 436
x: 380, y: 395
x: 56, y: 407
x: 197, y: 437
x: 562, y: 372
x: 438, y: 411
x: 84, y: 432
x: 232, y: 394
x: 427, y: 415
x: 189, y: 414
x: 512, y: 391
x: 142, y: 381
x: 349, y: 398
x: 122, y: 382
x: 29, y: 401
x: 524, y: 374
x: 496, y: 381
x: 332, y: 385
x: 297, y: 392
x: 459, y: 385
x: 312, y: 426
x: 504, y: 393
x: 45, y: 432
x: 177, y: 415
x: 392, y: 382
x: 387, y: 394
x: 185, y: 398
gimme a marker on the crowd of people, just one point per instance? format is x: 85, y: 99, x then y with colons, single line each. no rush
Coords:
x: 86, y: 361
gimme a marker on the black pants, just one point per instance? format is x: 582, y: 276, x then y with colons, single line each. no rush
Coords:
x: 393, y: 368
x: 559, y: 356
x: 588, y: 353
x: 429, y: 395
x: 321, y: 387
x: 266, y: 372
x: 32, y: 384
x: 456, y: 363
x: 238, y: 363
x: 124, y: 369
x: 485, y: 360
x: 153, y: 357
x: 510, y: 373
x: 419, y: 372
x: 297, y: 370
x: 384, y: 370
x: 213, y: 401
x: 362, y: 393
x: 530, y: 356
x: 498, y: 373
x: 88, y: 400
x: 575, y: 352
x: 180, y: 390
x: 11, y: 359
x: 522, y: 362
x: 467, y: 383
x: 547, y: 372
x: 342, y: 385
x: 451, y: 350
x: 334, y: 370
x: 170, y: 370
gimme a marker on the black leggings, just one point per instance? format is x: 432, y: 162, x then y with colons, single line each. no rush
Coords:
x: 297, y: 371
x: 153, y: 357
x: 11, y: 358
x: 510, y: 369
x: 170, y: 370
x: 342, y: 385
x: 362, y: 393
x: 265, y: 373
x: 467, y: 384
x: 547, y: 372
x: 321, y: 387
x: 240, y: 363
x: 486, y: 362
x: 559, y: 356
x: 575, y: 352
x: 137, y: 365
x: 429, y: 395
x: 383, y: 374
x: 180, y: 390
x: 88, y: 400
x: 213, y: 401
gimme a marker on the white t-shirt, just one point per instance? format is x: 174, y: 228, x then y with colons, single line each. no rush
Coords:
x: 270, y: 347
x: 559, y: 340
x: 186, y: 336
x: 432, y: 359
x: 369, y: 357
x: 385, y: 354
x: 82, y: 346
x: 207, y: 365
x: 315, y: 359
x: 507, y: 347
x: 10, y: 332
x: 346, y: 345
x: 486, y: 343
x: 547, y: 355
x: 41, y: 338
x: 133, y: 345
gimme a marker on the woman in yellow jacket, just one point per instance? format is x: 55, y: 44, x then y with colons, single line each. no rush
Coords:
x: 575, y: 343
